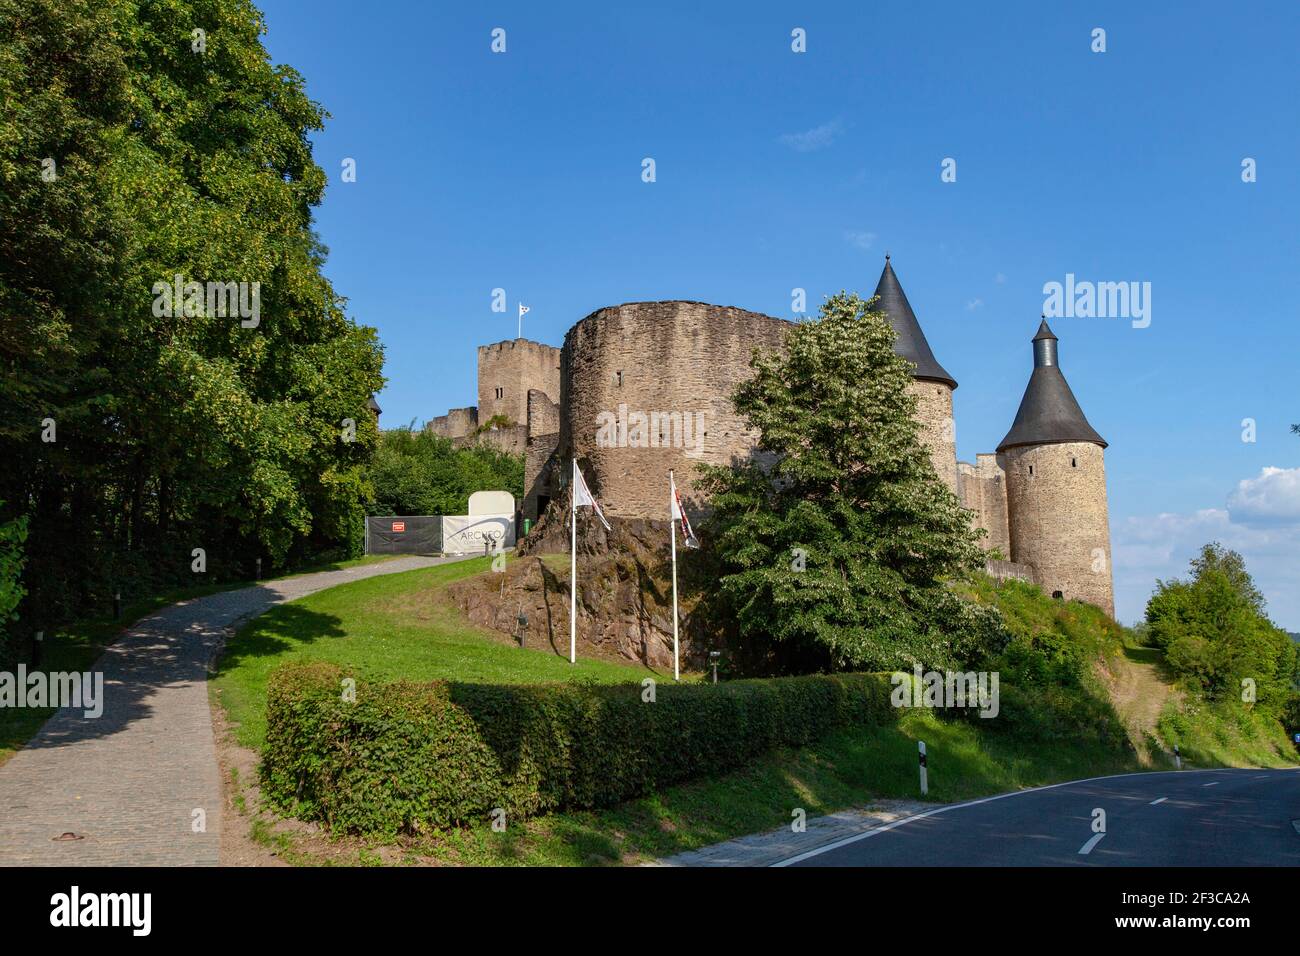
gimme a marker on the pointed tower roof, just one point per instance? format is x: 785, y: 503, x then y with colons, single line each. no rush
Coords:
x: 910, y: 342
x: 1049, y: 413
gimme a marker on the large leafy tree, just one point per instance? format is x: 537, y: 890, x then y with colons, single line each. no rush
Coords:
x: 420, y: 473
x: 1215, y: 633
x: 133, y: 150
x: 834, y: 545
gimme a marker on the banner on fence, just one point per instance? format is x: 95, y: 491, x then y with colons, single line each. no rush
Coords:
x: 470, y: 534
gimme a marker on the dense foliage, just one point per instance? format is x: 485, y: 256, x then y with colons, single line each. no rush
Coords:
x: 1215, y: 634
x: 833, y: 547
x: 408, y: 757
x: 133, y: 150
x: 420, y: 473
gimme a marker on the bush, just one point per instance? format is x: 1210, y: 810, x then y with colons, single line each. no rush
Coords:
x: 408, y: 757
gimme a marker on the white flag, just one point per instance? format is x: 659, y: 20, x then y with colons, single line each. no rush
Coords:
x: 582, y: 495
x: 522, y: 309
x: 679, y: 513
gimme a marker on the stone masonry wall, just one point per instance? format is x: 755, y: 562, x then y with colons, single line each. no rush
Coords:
x: 676, y: 363
x: 984, y: 492
x: 934, y: 410
x: 511, y: 439
x: 457, y: 423
x: 1058, y: 519
x: 509, y: 370
x: 539, y: 458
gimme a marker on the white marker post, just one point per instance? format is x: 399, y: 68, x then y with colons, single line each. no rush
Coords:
x: 925, y: 780
x: 1178, y: 759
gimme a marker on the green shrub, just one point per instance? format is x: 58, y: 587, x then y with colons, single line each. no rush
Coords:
x: 408, y: 757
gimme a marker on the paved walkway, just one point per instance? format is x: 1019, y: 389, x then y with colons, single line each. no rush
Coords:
x: 130, y: 781
x: 766, y: 849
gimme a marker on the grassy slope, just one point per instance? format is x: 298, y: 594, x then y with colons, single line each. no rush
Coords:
x: 397, y: 626
x: 77, y: 647
x: 388, y: 627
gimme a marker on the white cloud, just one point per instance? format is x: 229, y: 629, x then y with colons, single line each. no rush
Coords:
x: 1271, y: 499
x: 860, y: 240
x: 1148, y: 547
x: 819, y: 137
x: 974, y: 304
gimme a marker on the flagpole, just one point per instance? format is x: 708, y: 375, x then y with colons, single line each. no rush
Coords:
x: 672, y: 536
x: 573, y: 565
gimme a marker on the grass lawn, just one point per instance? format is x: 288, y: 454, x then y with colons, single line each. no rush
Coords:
x: 388, y: 627
x: 77, y: 646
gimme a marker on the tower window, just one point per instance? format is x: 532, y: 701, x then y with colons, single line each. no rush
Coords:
x: 1031, y: 471
x: 501, y: 392
x: 1074, y: 463
x: 618, y: 378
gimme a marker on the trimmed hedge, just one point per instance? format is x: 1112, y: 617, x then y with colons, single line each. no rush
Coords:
x: 408, y: 757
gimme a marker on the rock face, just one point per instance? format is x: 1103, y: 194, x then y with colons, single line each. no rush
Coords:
x: 625, y: 599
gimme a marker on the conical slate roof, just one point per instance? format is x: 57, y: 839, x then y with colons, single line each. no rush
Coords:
x: 910, y: 342
x: 1048, y: 413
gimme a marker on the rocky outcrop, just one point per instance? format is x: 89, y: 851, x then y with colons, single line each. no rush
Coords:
x: 625, y: 597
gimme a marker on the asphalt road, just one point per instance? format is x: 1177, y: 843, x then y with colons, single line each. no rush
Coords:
x: 1176, y: 818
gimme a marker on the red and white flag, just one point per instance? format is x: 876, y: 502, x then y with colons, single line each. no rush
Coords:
x: 582, y: 495
x: 678, y: 512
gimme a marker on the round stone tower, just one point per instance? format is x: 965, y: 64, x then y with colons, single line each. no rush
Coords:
x: 931, y: 384
x: 1056, y: 487
x: 646, y: 387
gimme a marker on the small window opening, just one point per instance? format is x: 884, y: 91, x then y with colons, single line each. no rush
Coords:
x: 501, y: 393
x: 1058, y: 595
x: 1074, y: 463
x: 618, y: 379
x: 1031, y: 469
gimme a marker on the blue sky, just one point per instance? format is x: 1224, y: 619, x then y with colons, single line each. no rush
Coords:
x: 777, y: 170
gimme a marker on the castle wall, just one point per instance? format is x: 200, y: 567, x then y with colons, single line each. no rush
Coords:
x: 511, y: 439
x: 676, y: 361
x: 1058, y: 520
x: 506, y: 373
x: 540, y: 457
x: 938, y: 433
x: 984, y: 492
x: 457, y: 423
x: 543, y: 413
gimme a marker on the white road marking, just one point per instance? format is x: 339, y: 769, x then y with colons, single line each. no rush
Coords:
x: 1213, y: 783
x: 876, y: 831
x: 1154, y: 802
x: 1087, y: 847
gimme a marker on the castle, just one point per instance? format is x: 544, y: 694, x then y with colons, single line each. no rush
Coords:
x: 643, y: 387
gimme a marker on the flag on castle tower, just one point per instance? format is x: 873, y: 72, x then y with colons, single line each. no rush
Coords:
x: 522, y: 309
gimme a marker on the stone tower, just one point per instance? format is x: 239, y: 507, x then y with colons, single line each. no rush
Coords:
x: 931, y: 384
x: 1056, y: 486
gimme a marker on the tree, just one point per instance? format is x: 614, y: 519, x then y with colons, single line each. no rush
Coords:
x: 132, y: 153
x: 420, y: 473
x: 1215, y: 633
x: 833, y: 545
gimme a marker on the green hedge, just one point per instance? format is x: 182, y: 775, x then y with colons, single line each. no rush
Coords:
x: 408, y: 757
